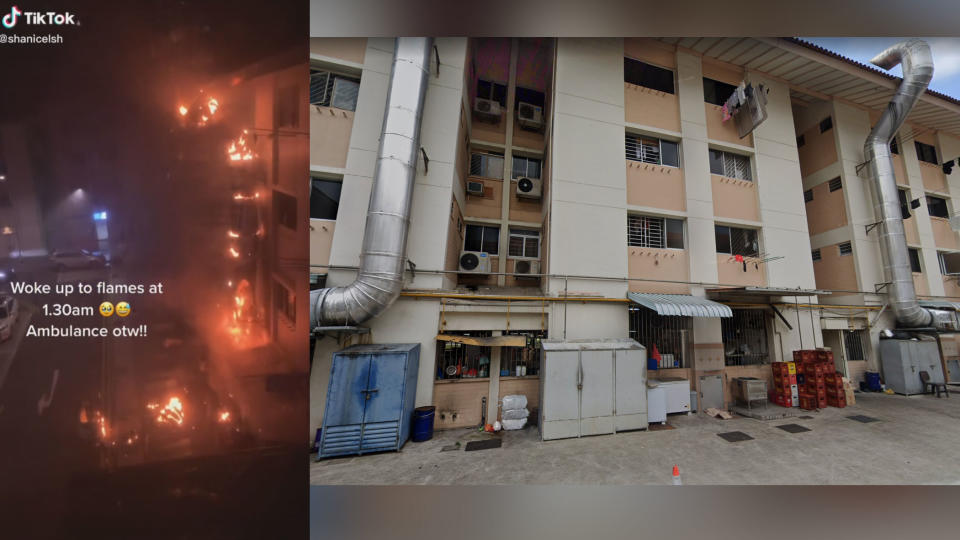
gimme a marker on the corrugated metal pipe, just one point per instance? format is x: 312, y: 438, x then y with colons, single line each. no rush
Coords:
x: 383, y: 255
x: 917, y: 62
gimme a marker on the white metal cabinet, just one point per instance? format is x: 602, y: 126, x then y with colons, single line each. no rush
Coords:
x: 656, y: 405
x: 592, y: 387
x: 631, y: 400
x: 678, y: 394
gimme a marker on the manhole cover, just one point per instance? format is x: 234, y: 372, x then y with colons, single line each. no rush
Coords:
x: 864, y: 419
x: 735, y: 436
x: 793, y: 428
x: 805, y: 417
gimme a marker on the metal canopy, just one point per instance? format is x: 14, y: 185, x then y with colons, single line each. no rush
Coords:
x: 815, y: 74
x: 767, y: 291
x: 680, y: 305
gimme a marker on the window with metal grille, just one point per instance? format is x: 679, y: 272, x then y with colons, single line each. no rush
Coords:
x: 717, y: 92
x: 853, y: 342
x: 815, y: 254
x: 801, y: 141
x: 524, y: 244
x: 845, y: 248
x: 652, y: 150
x: 462, y: 361
x: 493, y: 91
x: 894, y: 149
x: 914, y: 260
x: 808, y: 195
x: 483, y: 238
x: 826, y: 124
x: 736, y: 241
x: 926, y: 152
x: 730, y: 165
x: 333, y: 90
x: 672, y: 336
x: 647, y: 75
x: 324, y: 198
x: 486, y: 165
x: 526, y: 357
x: 745, y: 338
x: 949, y: 262
x: 937, y: 207
x: 836, y: 184
x: 654, y: 232
x: 524, y: 166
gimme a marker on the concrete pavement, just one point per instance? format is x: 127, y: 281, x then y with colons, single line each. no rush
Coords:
x: 914, y: 442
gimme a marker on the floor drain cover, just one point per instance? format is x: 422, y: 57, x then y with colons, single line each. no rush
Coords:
x: 862, y: 418
x: 805, y: 417
x: 735, y: 436
x: 483, y: 445
x: 793, y: 428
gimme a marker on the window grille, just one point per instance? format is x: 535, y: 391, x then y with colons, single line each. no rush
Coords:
x: 808, y: 195
x: 671, y: 335
x: 654, y: 232
x: 332, y: 90
x: 461, y: 361
x: 745, y: 337
x: 926, y: 153
x: 949, y: 263
x: 652, y: 150
x: 528, y: 357
x: 815, y: 254
x: 836, y: 184
x: 730, y: 165
x: 853, y: 341
x: 846, y: 248
x: 486, y: 165
x: 483, y: 238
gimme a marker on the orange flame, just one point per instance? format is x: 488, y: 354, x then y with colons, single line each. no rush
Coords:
x: 224, y: 416
x: 171, y: 413
x: 183, y: 110
x: 232, y: 234
x: 234, y: 253
x: 238, y: 151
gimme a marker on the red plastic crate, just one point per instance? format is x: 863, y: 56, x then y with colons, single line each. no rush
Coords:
x: 808, y: 402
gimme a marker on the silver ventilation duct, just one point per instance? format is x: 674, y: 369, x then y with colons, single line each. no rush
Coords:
x: 917, y: 63
x: 383, y: 255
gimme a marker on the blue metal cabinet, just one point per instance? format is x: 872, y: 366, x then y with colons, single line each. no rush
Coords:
x: 370, y: 399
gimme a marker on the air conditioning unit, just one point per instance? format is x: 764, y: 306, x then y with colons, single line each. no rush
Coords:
x: 487, y: 109
x: 474, y: 262
x: 474, y: 188
x: 522, y: 267
x: 530, y: 116
x: 529, y: 188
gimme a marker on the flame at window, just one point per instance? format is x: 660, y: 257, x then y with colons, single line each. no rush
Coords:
x: 238, y: 150
x: 171, y: 413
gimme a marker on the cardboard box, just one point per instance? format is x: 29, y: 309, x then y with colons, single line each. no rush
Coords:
x: 851, y: 399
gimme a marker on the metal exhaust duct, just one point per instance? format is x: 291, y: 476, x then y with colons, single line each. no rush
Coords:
x: 383, y: 255
x: 917, y: 63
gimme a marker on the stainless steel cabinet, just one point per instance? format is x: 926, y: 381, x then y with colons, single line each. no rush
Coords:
x: 904, y: 359
x: 592, y: 387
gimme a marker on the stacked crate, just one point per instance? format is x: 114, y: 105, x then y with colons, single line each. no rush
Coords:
x: 822, y: 386
x: 786, y: 392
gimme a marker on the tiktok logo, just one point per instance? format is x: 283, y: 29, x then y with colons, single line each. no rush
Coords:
x: 10, y: 19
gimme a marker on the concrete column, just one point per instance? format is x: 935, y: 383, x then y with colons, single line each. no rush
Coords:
x: 508, y: 163
x: 696, y: 170
x: 493, y: 394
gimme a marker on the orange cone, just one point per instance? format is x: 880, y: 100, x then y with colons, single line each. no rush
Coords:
x: 676, y: 476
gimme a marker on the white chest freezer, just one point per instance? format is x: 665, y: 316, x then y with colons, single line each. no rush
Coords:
x: 656, y: 405
x: 677, y: 393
